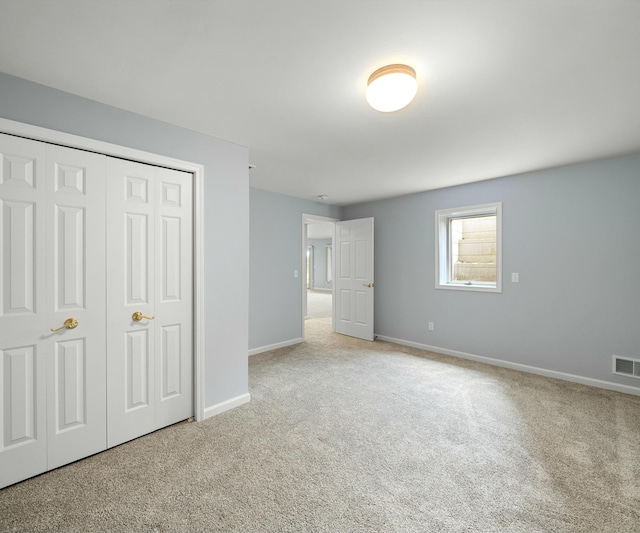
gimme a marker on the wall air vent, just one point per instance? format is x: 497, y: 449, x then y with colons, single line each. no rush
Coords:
x: 626, y: 367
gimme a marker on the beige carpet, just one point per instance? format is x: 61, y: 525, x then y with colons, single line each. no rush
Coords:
x: 344, y: 435
x: 319, y: 304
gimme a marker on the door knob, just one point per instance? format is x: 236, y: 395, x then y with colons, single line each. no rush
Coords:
x: 367, y: 285
x: 138, y: 316
x: 69, y: 323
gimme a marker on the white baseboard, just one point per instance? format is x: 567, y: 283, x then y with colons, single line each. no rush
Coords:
x: 618, y: 387
x: 262, y: 349
x: 226, y: 405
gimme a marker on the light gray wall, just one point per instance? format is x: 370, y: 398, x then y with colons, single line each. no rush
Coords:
x: 320, y: 263
x: 275, y: 305
x: 572, y: 233
x: 226, y: 209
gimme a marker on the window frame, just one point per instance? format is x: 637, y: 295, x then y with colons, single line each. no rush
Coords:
x: 328, y: 272
x: 442, y: 243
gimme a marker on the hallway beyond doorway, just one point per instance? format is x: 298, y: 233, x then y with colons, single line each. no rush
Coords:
x: 319, y: 304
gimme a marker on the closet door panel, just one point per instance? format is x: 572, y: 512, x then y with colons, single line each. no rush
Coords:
x: 23, y: 315
x: 174, y: 304
x: 150, y: 251
x: 18, y: 274
x: 101, y: 251
x: 137, y: 379
x: 70, y: 265
x: 136, y: 260
x: 130, y: 278
x: 76, y: 357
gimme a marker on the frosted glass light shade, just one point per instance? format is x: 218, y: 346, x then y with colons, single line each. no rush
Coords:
x: 391, y: 88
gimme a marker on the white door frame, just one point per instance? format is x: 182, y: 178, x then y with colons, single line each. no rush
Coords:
x: 307, y: 219
x: 74, y: 141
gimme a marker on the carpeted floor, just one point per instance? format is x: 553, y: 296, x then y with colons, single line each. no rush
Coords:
x: 344, y: 435
x: 319, y: 304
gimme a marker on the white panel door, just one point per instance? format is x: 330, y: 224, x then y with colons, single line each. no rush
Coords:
x: 353, y: 278
x: 76, y: 358
x: 130, y: 278
x: 52, y: 401
x: 173, y: 296
x: 149, y: 302
x: 23, y: 314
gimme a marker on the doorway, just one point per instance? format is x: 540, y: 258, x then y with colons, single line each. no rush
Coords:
x: 318, y: 263
x: 348, y: 274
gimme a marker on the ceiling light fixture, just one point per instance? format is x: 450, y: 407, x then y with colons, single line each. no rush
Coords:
x: 391, y: 88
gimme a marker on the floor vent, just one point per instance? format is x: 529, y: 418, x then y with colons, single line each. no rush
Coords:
x: 626, y: 367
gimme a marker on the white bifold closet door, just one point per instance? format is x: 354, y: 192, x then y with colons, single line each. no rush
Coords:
x: 95, y: 243
x: 149, y: 251
x: 52, y: 242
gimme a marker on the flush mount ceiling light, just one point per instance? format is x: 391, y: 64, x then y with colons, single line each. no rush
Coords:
x: 391, y: 88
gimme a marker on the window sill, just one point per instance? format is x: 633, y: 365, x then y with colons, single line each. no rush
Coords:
x: 472, y: 287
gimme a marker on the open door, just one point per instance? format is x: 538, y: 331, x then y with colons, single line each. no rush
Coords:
x: 353, y: 279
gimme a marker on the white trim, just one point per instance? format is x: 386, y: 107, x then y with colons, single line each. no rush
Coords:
x: 262, y: 349
x: 84, y: 143
x: 198, y: 294
x: 227, y: 405
x: 306, y: 218
x: 601, y: 384
x: 74, y: 141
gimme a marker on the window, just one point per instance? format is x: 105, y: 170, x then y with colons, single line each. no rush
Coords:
x: 329, y: 262
x: 468, y: 248
x: 310, y: 267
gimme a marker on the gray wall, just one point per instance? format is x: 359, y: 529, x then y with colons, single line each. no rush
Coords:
x: 275, y: 306
x: 572, y: 235
x: 320, y: 263
x: 226, y: 209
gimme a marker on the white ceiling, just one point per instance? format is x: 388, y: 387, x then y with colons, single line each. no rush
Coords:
x: 506, y: 86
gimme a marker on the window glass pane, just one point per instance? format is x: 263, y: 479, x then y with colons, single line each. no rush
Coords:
x: 472, y: 249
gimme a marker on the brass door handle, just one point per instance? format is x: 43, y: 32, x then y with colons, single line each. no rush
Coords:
x: 138, y: 316
x: 367, y: 285
x: 69, y: 323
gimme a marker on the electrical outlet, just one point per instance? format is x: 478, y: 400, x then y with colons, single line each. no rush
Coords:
x: 430, y: 326
x: 295, y: 273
